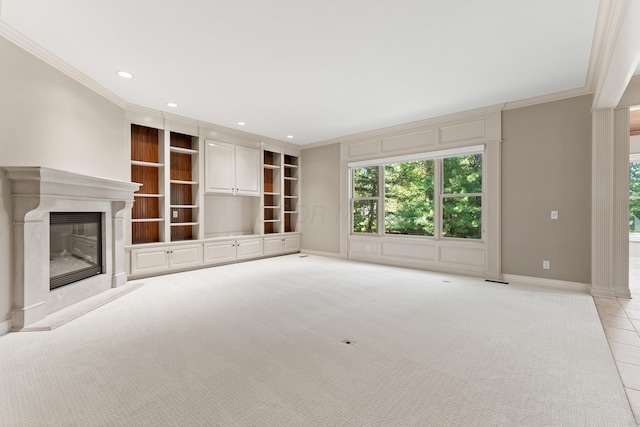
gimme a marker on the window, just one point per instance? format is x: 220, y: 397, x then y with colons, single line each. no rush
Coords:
x: 365, y: 199
x: 411, y: 199
x: 634, y: 197
x: 408, y: 198
x: 462, y: 196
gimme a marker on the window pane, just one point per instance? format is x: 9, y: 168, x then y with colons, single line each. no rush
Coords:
x: 634, y: 216
x: 634, y: 194
x: 409, y: 196
x: 462, y: 174
x: 461, y: 217
x: 634, y: 179
x: 365, y: 216
x: 365, y: 182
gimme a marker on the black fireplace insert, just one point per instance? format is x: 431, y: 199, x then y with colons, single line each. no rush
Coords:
x: 75, y: 247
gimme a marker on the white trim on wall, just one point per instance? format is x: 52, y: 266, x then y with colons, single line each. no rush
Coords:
x: 467, y: 133
x: 322, y: 253
x: 549, y: 283
x: 5, y: 327
x: 44, y: 55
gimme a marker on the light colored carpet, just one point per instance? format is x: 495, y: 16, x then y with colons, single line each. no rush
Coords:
x: 261, y: 344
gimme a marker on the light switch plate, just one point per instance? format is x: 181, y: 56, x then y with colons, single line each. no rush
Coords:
x: 546, y: 265
x: 554, y: 214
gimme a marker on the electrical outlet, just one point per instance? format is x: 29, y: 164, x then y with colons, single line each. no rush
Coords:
x: 554, y: 214
x: 546, y: 265
x: 175, y: 214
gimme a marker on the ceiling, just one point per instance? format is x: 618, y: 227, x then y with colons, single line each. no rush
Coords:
x: 316, y: 69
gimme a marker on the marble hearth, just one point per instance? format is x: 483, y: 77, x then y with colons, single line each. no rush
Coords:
x: 37, y: 191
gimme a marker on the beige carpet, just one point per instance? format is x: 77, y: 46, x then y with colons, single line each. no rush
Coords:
x: 262, y: 344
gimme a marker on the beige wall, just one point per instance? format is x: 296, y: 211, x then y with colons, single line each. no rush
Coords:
x: 48, y: 119
x: 320, y: 212
x: 546, y: 165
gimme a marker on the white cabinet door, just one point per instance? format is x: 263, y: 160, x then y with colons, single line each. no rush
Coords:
x: 291, y: 244
x: 247, y: 171
x: 272, y: 245
x: 219, y: 167
x: 146, y: 261
x: 232, y: 169
x: 185, y: 256
x: 250, y: 248
x: 219, y: 252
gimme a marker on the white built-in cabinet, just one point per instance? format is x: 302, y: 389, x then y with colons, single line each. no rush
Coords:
x: 161, y: 259
x: 208, y: 198
x: 281, y: 245
x: 232, y: 169
x: 232, y: 250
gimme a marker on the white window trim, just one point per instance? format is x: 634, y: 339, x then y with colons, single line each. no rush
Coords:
x: 429, y: 155
x: 438, y: 192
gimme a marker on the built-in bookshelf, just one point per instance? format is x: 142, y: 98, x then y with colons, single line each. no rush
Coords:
x: 183, y: 183
x: 272, y: 206
x: 147, y: 169
x: 166, y: 164
x: 290, y: 194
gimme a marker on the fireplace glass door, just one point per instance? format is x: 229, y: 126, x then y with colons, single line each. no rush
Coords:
x: 75, y: 247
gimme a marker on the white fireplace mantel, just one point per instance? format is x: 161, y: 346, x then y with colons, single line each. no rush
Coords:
x: 37, y: 191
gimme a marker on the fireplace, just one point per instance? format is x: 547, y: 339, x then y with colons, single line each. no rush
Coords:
x: 68, y: 239
x: 75, y: 247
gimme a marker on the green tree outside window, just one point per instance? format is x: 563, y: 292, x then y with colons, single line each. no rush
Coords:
x: 462, y: 196
x: 365, y: 199
x: 408, y: 198
x: 634, y: 197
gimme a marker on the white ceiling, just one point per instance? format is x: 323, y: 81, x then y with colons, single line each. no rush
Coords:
x: 317, y: 69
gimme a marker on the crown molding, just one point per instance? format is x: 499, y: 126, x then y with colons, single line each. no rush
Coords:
x: 404, y: 127
x: 614, y: 53
x: 44, y: 55
x: 149, y: 117
x: 558, y: 96
x: 604, y: 37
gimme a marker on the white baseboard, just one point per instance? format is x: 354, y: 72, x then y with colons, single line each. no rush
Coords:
x: 322, y: 253
x: 550, y: 283
x: 5, y: 326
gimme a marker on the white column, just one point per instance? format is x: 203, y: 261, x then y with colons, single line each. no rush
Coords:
x: 610, y: 203
x: 620, y: 192
x: 602, y: 212
x: 118, y: 211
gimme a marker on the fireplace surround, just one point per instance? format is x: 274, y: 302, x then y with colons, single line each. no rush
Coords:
x: 36, y: 193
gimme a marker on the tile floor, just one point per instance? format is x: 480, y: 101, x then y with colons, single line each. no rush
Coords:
x: 620, y: 319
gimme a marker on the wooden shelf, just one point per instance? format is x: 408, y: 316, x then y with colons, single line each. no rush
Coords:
x: 183, y: 206
x: 175, y: 181
x: 157, y: 196
x: 182, y: 224
x: 146, y: 169
x: 268, y: 166
x: 271, y: 194
x: 181, y: 150
x: 290, y: 178
x: 146, y: 164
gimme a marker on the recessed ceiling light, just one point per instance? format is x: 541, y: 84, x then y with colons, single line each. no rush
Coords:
x: 172, y: 104
x: 125, y: 74
x: 290, y: 136
x: 241, y: 123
